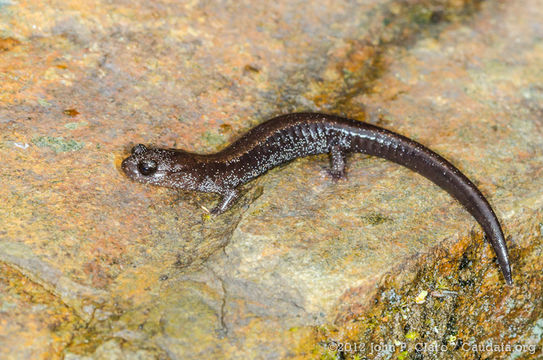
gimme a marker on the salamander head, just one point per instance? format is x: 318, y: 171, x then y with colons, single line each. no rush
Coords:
x: 162, y: 167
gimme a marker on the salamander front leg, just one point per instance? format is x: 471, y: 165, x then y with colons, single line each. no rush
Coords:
x: 337, y: 162
x: 229, y: 197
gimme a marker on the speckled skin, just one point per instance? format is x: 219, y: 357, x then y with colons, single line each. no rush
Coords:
x: 291, y: 136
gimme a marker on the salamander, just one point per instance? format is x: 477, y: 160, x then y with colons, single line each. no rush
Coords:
x: 287, y: 137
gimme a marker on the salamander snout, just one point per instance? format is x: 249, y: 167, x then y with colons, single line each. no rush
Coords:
x: 128, y: 166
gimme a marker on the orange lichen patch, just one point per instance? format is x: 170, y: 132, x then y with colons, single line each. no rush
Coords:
x: 359, y: 56
x: 20, y: 85
x: 225, y: 128
x: 71, y: 112
x: 6, y: 44
x: 251, y: 68
x: 40, y: 322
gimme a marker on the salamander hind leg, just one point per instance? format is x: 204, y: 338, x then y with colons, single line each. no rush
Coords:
x: 337, y: 162
x: 229, y: 197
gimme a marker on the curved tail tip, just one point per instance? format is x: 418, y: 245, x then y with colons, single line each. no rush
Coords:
x: 509, y: 280
x: 507, y: 275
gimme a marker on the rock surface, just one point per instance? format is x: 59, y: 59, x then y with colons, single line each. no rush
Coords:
x: 96, y: 267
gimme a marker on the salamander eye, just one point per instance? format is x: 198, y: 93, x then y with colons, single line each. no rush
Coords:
x: 138, y: 149
x: 147, y: 167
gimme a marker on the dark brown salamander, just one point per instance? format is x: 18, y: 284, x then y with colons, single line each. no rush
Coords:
x: 291, y: 136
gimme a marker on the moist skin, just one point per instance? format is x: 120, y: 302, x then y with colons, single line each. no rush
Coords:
x: 291, y: 136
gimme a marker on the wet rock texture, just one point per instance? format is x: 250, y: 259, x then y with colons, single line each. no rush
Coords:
x: 383, y: 265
